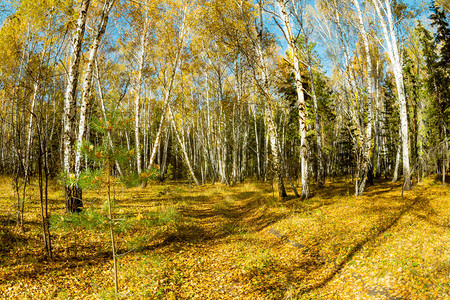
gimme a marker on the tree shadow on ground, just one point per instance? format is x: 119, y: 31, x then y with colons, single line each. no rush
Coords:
x: 427, y: 213
x: 212, y: 221
x: 207, y: 220
x: 333, y: 189
x: 12, y: 238
x: 438, y: 179
x: 27, y: 258
x: 388, y: 217
x: 31, y: 266
x: 385, y: 222
x: 346, y: 188
x: 253, y: 211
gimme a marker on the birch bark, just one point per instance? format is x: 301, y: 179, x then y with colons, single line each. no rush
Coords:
x: 72, y: 194
x: 371, y: 88
x: 258, y: 152
x: 300, y: 99
x: 30, y: 129
x: 271, y: 131
x: 183, y: 147
x: 384, y: 13
x: 87, y: 82
x: 137, y: 99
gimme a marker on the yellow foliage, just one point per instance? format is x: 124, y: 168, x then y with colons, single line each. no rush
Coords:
x: 221, y: 242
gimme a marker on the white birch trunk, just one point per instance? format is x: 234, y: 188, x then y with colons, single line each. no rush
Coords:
x: 87, y: 82
x: 137, y: 100
x: 183, y: 147
x: 396, y: 65
x: 371, y: 88
x: 300, y: 100
x: 397, y: 157
x: 234, y: 152
x: 258, y: 152
x: 30, y: 129
x: 318, y: 127
x: 73, y: 199
x: 271, y: 132
x: 275, y: 146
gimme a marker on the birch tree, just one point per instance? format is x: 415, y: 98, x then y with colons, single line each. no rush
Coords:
x: 291, y: 39
x: 73, y: 195
x: 371, y: 98
x: 137, y: 96
x: 384, y: 12
x: 87, y: 81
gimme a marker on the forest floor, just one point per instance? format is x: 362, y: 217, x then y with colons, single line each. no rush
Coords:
x: 177, y: 241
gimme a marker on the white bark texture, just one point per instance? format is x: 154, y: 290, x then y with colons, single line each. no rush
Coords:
x: 30, y: 129
x: 384, y: 13
x: 183, y: 146
x: 271, y: 133
x: 72, y: 82
x: 87, y: 82
x: 137, y: 100
x: 168, y: 90
x: 366, y: 148
x: 300, y: 99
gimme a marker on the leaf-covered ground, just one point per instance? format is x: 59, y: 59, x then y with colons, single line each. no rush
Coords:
x: 177, y: 241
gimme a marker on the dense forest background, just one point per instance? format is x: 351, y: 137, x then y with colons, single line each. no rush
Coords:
x: 201, y: 90
x: 222, y: 118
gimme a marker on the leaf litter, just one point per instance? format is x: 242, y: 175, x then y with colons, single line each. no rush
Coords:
x: 221, y: 242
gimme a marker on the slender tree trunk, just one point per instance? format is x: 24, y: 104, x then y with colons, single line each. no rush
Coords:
x: 111, y: 232
x: 87, y: 83
x: 163, y: 166
x: 318, y: 127
x: 73, y: 197
x: 420, y: 140
x: 396, y: 64
x: 137, y: 100
x: 103, y: 109
x: 371, y: 87
x: 266, y: 148
x: 258, y: 152
x: 243, y: 171
x: 300, y: 100
x: 43, y: 197
x: 397, y: 159
x: 444, y: 153
x: 30, y: 130
x: 235, y: 131
x: 183, y: 147
x: 274, y: 144
x: 168, y: 93
x: 269, y: 112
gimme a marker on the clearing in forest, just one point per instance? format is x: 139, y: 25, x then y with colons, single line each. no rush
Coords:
x: 221, y: 242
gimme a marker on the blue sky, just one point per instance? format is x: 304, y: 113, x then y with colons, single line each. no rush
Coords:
x: 6, y: 9
x: 320, y: 48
